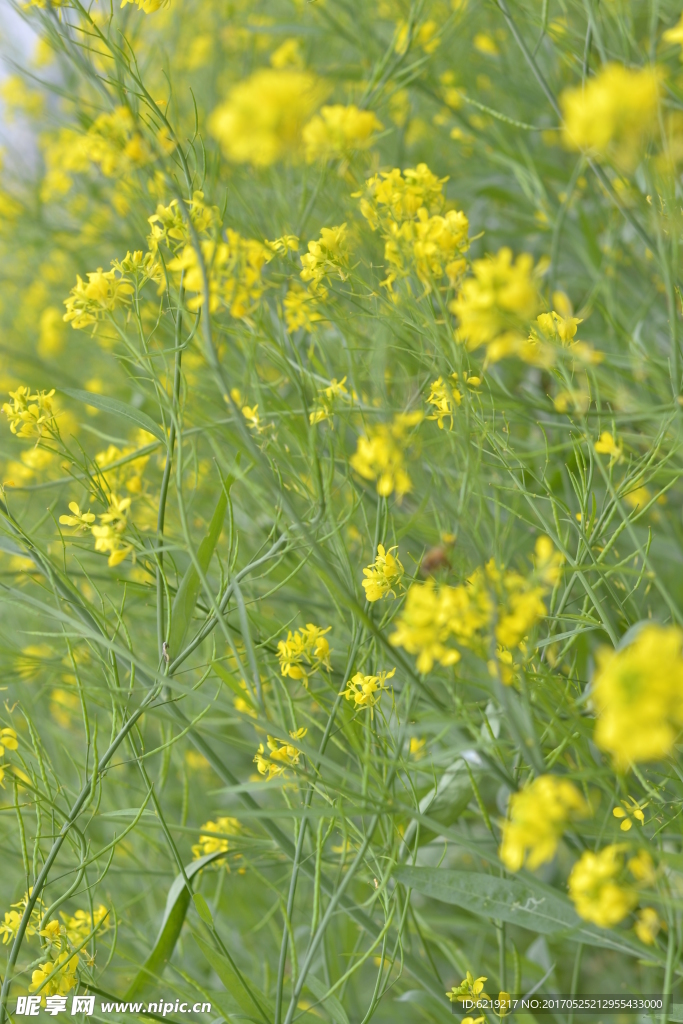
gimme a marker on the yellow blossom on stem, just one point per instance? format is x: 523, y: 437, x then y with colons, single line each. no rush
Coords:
x: 384, y: 575
x: 30, y: 415
x: 443, y: 397
x: 148, y: 6
x: 495, y: 304
x: 606, y: 445
x: 638, y: 696
x: 8, y: 740
x: 328, y: 255
x: 424, y: 625
x: 366, y: 691
x: 614, y: 113
x: 281, y: 755
x: 597, y: 889
x: 56, y: 977
x: 326, y: 400
x: 627, y: 811
x: 82, y: 520
x: 91, y: 302
x: 234, y: 270
x: 648, y: 925
x: 263, y: 118
x: 301, y: 308
x: 380, y: 455
x: 79, y: 926
x: 304, y: 652
x: 537, y: 818
x: 468, y: 987
x: 213, y: 843
x: 337, y: 131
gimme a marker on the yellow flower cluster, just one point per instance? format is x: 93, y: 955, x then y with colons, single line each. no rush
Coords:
x: 130, y: 474
x: 112, y: 143
x: 599, y: 888
x: 638, y: 696
x: 300, y: 308
x: 326, y: 401
x: 30, y: 414
x: 613, y: 114
x: 465, y: 614
x: 107, y: 290
x: 495, y: 305
x: 337, y: 131
x: 281, y: 755
x: 169, y: 225
x: 233, y: 268
x: 384, y: 575
x: 213, y: 836
x: 148, y: 6
x: 326, y: 256
x: 444, y: 398
x: 537, y: 817
x: 109, y: 534
x: 380, y: 455
x: 264, y: 116
x: 56, y: 977
x: 304, y: 652
x: 366, y: 691
x: 419, y: 236
x: 83, y: 923
x: 469, y: 987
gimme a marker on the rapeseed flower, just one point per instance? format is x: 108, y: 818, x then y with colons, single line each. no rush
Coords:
x: 326, y: 401
x: 597, y: 889
x: 443, y: 398
x: 606, y: 445
x: 496, y: 304
x: 79, y: 926
x: 8, y: 740
x: 469, y: 987
x: 614, y: 113
x: 281, y: 755
x: 300, y: 308
x: 234, y: 270
x: 326, y: 256
x: 628, y: 811
x: 384, y: 575
x: 91, y: 302
x: 380, y: 454
x: 366, y: 691
x: 82, y: 520
x: 638, y: 696
x: 304, y: 652
x: 56, y: 977
x: 537, y: 818
x: 263, y: 118
x: 337, y: 131
x: 30, y: 415
x: 648, y: 925
x: 209, y: 843
x: 148, y: 6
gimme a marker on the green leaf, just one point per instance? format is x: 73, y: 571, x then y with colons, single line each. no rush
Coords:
x: 202, y: 908
x: 190, y: 585
x: 528, y: 903
x: 177, y: 902
x: 255, y: 1007
x: 332, y: 1004
x: 112, y: 405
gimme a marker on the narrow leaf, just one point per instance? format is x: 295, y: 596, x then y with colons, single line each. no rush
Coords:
x: 112, y: 405
x: 527, y: 903
x: 230, y: 681
x: 332, y: 1004
x: 256, y: 1007
x: 202, y: 908
x: 190, y: 585
x: 177, y: 902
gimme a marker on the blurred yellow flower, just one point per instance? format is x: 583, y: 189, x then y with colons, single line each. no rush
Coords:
x: 537, y: 818
x: 380, y: 455
x: 337, y: 131
x: 648, y: 925
x: 210, y: 843
x: 606, y: 445
x: 638, y: 696
x: 614, y: 113
x: 263, y: 118
x: 328, y: 255
x: 596, y: 889
x: 30, y: 415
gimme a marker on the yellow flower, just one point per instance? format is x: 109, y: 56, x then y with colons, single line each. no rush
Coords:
x: 77, y: 518
x: 301, y: 308
x: 385, y: 573
x: 424, y: 626
x: 496, y: 303
x: 614, y: 113
x: 443, y: 398
x: 89, y: 303
x: 287, y: 55
x: 469, y: 987
x: 424, y: 35
x: 304, y: 652
x: 675, y: 34
x: 366, y: 691
x: 56, y: 977
x: 548, y: 561
x: 281, y: 755
x: 638, y: 696
x: 326, y: 401
x: 10, y: 925
x: 83, y: 923
x: 234, y: 269
x: 338, y: 130
x: 8, y: 740
x: 606, y: 445
x: 326, y: 256
x: 627, y: 811
x: 537, y: 818
x: 214, y: 843
x: 486, y: 44
x: 29, y: 414
x: 595, y: 889
x: 148, y: 6
x: 380, y: 455
x: 648, y: 925
x: 417, y: 747
x: 263, y: 118
x: 642, y: 868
